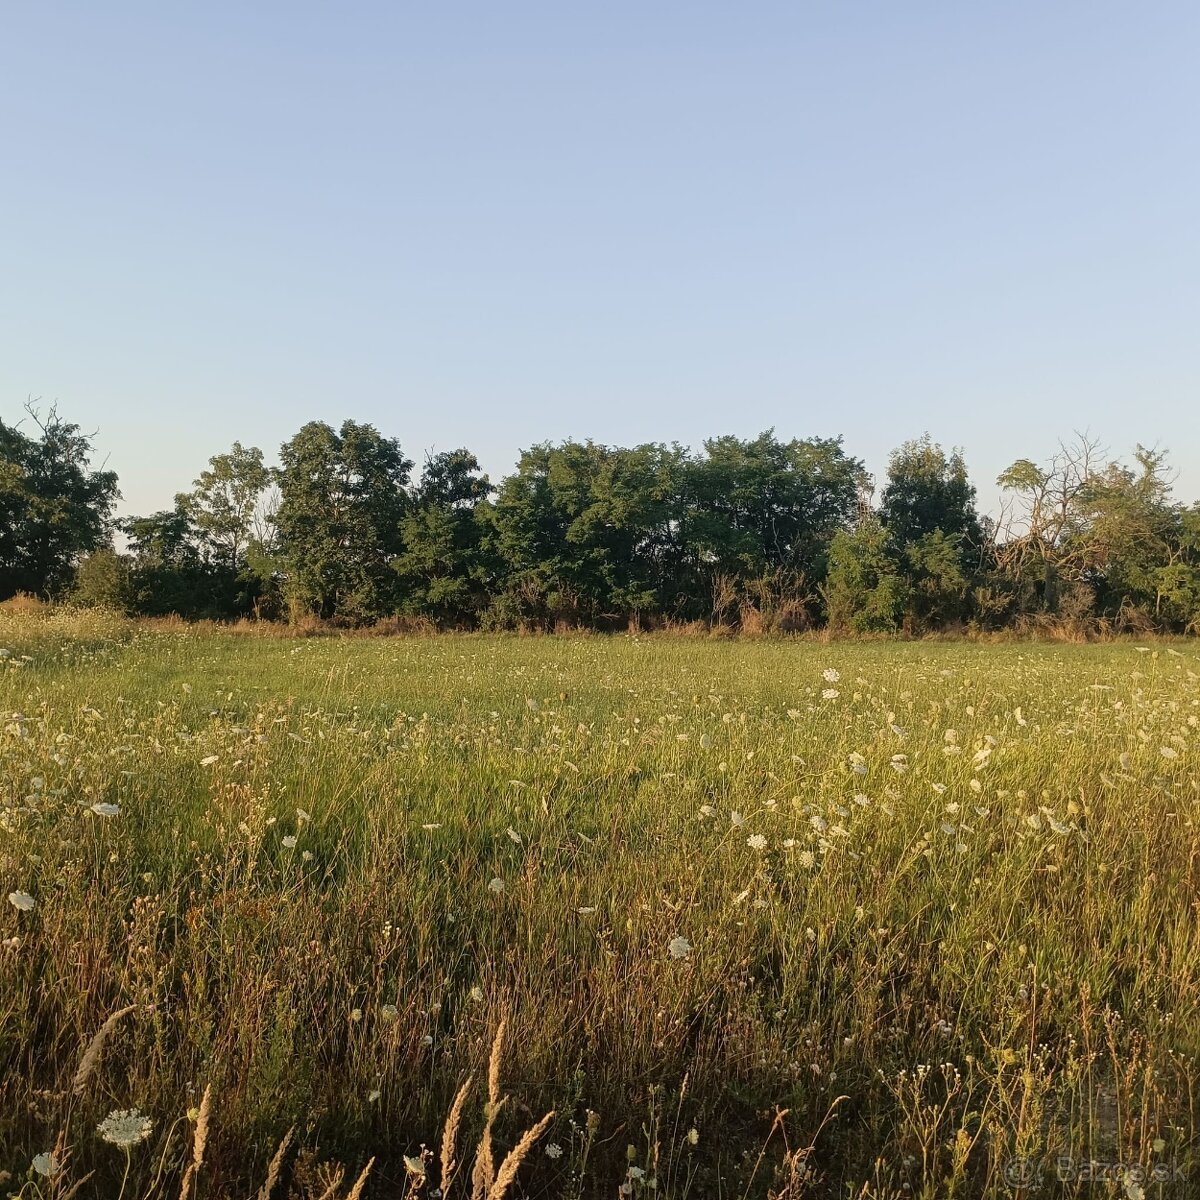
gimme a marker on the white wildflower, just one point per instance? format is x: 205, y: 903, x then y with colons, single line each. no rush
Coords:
x: 679, y: 947
x: 46, y: 1164
x: 125, y: 1127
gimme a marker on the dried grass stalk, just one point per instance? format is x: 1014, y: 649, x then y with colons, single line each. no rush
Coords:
x: 450, y: 1136
x: 516, y: 1156
x: 91, y: 1056
x: 199, y: 1141
x: 276, y: 1166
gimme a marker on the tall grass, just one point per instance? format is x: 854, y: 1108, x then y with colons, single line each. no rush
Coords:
x: 762, y: 918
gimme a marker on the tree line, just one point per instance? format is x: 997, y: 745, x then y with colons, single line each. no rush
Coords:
x: 760, y: 534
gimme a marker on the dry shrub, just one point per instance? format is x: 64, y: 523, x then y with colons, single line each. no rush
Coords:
x: 25, y: 605
x: 750, y: 620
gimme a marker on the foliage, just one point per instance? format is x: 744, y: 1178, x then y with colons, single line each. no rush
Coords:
x: 760, y: 535
x: 342, y: 497
x: 54, y: 507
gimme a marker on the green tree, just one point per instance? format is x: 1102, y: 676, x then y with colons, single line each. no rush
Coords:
x: 102, y: 580
x: 762, y: 511
x: 588, y: 533
x: 173, y: 570
x: 927, y: 490
x: 443, y: 568
x: 762, y: 504
x: 224, y: 502
x: 1132, y: 542
x: 342, y: 498
x: 938, y: 581
x: 54, y: 507
x: 865, y: 591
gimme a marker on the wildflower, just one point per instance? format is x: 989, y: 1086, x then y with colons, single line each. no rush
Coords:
x: 21, y: 900
x: 707, y: 810
x: 106, y: 810
x: 496, y: 885
x: 208, y: 762
x: 513, y: 835
x: 414, y: 1166
x: 756, y: 841
x: 289, y: 842
x: 554, y: 1150
x: 373, y: 1095
x: 586, y: 910
x: 1168, y: 751
x: 830, y: 694
x: 125, y: 1127
x: 46, y: 1164
x: 693, y: 1136
x: 389, y: 1013
x: 356, y: 1014
x: 806, y: 859
x: 830, y: 675
x: 302, y: 816
x: 477, y: 993
x: 737, y: 819
x: 679, y: 947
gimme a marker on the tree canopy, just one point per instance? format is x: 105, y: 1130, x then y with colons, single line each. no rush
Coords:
x: 757, y: 533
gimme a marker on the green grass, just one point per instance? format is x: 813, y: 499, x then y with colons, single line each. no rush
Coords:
x: 986, y: 949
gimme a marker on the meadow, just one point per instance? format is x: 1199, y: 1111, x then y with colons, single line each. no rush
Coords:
x: 595, y: 916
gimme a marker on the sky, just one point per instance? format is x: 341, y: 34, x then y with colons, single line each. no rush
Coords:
x: 493, y: 225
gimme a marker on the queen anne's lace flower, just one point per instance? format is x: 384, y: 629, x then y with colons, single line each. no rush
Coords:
x: 125, y: 1127
x: 679, y: 947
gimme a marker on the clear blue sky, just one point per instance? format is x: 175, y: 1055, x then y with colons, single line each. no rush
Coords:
x: 489, y: 224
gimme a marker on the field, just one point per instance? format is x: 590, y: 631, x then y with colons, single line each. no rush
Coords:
x: 761, y: 917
